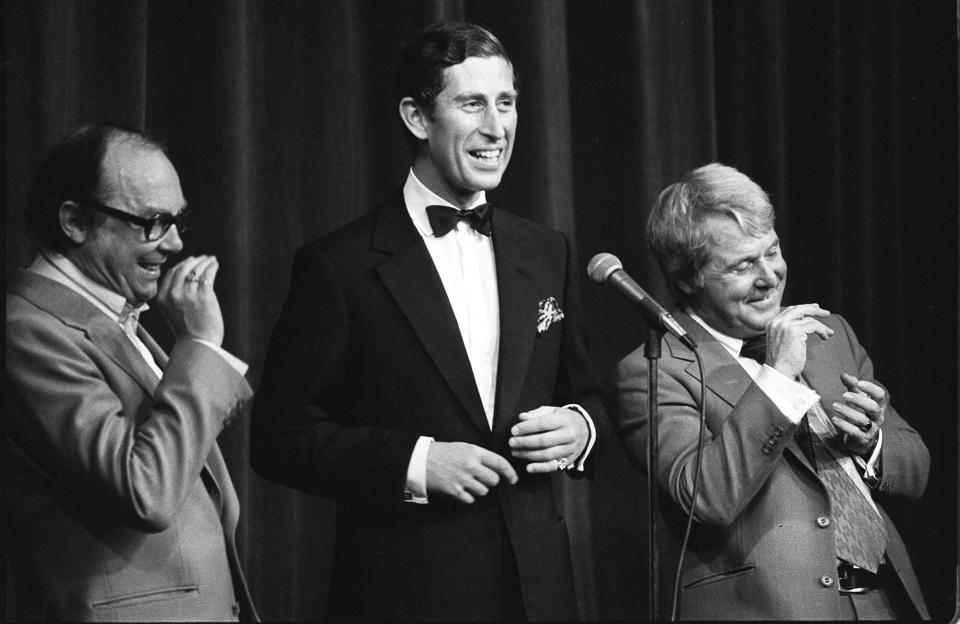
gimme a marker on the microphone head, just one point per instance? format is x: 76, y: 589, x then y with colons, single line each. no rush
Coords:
x: 602, y: 265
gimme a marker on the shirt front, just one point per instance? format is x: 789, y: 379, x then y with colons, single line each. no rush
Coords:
x: 465, y: 261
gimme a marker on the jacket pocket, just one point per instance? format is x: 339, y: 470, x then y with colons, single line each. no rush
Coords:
x: 144, y: 597
x: 715, y: 577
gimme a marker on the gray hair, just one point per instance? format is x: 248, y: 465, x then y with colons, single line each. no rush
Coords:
x: 677, y: 231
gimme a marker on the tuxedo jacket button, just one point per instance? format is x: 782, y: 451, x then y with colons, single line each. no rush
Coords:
x: 823, y: 522
x: 826, y: 581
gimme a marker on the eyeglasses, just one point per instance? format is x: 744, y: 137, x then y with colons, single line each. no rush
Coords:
x: 155, y: 227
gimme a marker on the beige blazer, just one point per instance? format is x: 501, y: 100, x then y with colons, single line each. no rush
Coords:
x: 763, y: 546
x: 118, y: 504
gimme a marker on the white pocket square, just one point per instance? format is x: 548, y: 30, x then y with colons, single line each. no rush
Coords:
x: 548, y: 313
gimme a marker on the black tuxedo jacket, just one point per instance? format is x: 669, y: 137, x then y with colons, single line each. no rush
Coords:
x: 366, y: 357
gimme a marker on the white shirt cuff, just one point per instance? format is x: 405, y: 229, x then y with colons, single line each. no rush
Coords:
x: 792, y: 398
x: 591, y: 440
x: 869, y: 466
x: 416, y: 489
x: 239, y: 365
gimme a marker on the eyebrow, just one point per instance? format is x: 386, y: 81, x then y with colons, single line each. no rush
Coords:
x: 155, y: 211
x: 476, y: 95
x: 751, y: 257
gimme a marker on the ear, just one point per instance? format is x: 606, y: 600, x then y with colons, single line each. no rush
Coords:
x: 413, y: 118
x: 74, y: 222
x: 686, y: 288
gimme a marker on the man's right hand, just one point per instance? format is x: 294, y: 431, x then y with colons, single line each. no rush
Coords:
x: 465, y: 471
x: 787, y: 337
x: 188, y: 302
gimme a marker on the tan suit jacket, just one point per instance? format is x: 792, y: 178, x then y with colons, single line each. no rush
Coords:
x: 763, y: 545
x: 118, y: 504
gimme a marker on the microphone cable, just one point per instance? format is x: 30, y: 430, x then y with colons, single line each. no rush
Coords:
x: 696, y: 487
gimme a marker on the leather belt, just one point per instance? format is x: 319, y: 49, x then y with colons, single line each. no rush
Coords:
x: 856, y: 580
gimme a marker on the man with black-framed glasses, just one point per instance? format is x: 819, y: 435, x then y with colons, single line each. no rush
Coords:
x: 118, y: 504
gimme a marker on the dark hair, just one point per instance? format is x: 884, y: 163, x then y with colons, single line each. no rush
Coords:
x: 71, y: 171
x: 439, y: 46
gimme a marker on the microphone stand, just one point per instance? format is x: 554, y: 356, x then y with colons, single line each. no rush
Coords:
x: 651, y: 351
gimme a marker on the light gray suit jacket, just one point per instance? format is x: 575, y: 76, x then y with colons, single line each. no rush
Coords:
x: 758, y: 550
x: 118, y: 504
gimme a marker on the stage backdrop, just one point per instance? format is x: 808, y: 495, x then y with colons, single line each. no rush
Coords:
x: 279, y: 118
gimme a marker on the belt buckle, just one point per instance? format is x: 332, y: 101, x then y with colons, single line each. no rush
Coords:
x: 848, y: 573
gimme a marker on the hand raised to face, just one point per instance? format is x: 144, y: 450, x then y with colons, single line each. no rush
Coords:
x: 188, y: 302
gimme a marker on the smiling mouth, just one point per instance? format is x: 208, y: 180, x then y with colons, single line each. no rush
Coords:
x: 150, y: 267
x: 487, y: 156
x: 766, y: 298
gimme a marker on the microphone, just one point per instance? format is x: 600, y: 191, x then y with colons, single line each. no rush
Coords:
x: 607, y: 268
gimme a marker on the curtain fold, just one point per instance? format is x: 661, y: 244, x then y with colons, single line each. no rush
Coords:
x: 281, y: 122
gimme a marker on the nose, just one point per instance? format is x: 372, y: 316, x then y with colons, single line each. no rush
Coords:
x: 492, y: 124
x: 768, y: 273
x: 171, y: 241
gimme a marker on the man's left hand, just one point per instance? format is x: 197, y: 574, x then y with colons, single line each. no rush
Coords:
x: 860, y: 415
x: 549, y: 437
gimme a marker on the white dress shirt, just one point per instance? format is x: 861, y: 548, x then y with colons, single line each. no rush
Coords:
x: 60, y: 269
x: 465, y: 262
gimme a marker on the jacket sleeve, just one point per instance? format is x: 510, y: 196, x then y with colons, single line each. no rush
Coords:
x: 576, y: 378
x: 92, y: 434
x: 738, y: 456
x: 904, y: 458
x: 303, y: 436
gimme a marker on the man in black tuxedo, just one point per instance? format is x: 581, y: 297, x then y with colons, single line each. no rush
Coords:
x: 428, y: 371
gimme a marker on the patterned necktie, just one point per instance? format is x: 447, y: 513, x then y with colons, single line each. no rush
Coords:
x: 860, y: 533
x: 445, y: 218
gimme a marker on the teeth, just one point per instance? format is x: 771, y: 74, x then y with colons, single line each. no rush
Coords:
x: 487, y: 154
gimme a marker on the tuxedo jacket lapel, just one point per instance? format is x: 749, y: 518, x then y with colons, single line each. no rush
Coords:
x: 517, y: 267
x: 412, y: 280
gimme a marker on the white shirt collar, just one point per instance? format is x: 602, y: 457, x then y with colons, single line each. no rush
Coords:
x: 417, y: 197
x: 59, y: 268
x: 731, y: 344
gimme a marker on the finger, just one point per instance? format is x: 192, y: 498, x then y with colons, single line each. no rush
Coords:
x: 489, y: 478
x: 543, y: 467
x: 549, y: 419
x: 802, y: 310
x: 198, y: 273
x: 499, y: 465
x: 861, y: 401
x: 210, y: 273
x: 813, y: 326
x: 874, y: 391
x: 548, y: 439
x: 866, y: 437
x: 462, y: 495
x: 475, y: 488
x: 858, y: 419
x: 545, y: 455
x: 534, y: 413
x: 174, y: 280
x: 185, y: 273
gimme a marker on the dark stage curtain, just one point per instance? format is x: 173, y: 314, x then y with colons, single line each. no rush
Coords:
x: 279, y: 118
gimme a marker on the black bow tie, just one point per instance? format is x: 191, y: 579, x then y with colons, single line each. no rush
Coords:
x: 445, y: 218
x: 755, y: 348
